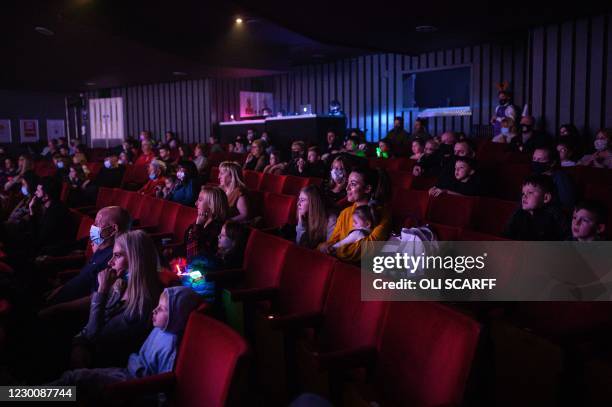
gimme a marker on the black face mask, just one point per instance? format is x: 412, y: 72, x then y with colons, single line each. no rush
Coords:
x: 446, y: 149
x: 526, y: 129
x: 295, y: 155
x: 538, y: 167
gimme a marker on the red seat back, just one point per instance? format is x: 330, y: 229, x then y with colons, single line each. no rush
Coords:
x: 425, y: 355
x: 214, y: 175
x: 105, y: 197
x: 84, y: 226
x: 135, y: 174
x: 150, y: 211
x: 445, y: 232
x: 345, y: 313
x: 304, y: 281
x: 134, y: 204
x: 491, y: 215
x: 409, y: 204
x: 210, y: 358
x: 272, y: 183
x: 214, y: 159
x: 424, y: 183
x: 185, y: 217
x: 400, y: 179
x: 451, y: 210
x: 293, y: 185
x: 94, y: 169
x: 168, y: 217
x: 263, y: 259
x: 252, y: 179
x: 279, y: 209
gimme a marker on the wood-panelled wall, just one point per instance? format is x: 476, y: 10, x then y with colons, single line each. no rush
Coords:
x: 562, y: 71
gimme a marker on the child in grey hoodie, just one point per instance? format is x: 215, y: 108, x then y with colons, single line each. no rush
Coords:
x: 157, y: 354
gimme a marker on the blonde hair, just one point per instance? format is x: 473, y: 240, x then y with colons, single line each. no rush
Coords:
x: 235, y: 171
x: 28, y: 164
x: 317, y: 217
x: 259, y: 143
x: 216, y: 200
x: 143, y: 267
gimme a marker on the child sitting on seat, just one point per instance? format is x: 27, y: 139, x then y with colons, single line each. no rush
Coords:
x: 465, y: 182
x: 589, y: 221
x: 538, y: 218
x: 168, y: 188
x: 364, y: 220
x: 157, y: 354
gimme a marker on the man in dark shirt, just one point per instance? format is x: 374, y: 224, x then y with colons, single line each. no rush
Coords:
x: 74, y: 295
x: 398, y: 136
x: 465, y: 180
x: 528, y: 138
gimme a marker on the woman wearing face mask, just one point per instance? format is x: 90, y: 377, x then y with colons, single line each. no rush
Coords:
x: 187, y: 184
x: 120, y: 310
x: 507, y: 131
x: 602, y: 157
x: 21, y: 213
x: 156, y: 169
x: 334, y: 189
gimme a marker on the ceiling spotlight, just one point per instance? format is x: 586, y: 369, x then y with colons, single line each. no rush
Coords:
x: 426, y: 29
x: 179, y: 73
x: 44, y: 31
x: 238, y: 20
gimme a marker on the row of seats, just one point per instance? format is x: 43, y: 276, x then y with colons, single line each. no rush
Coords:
x: 278, y: 184
x: 304, y: 286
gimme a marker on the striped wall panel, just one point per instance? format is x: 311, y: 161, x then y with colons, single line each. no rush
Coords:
x: 562, y: 71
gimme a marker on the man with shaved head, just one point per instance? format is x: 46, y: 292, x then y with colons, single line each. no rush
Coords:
x: 74, y: 295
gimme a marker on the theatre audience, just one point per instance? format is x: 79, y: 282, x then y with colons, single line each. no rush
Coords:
x: 528, y: 138
x: 25, y: 165
x: 156, y: 169
x: 507, y: 131
x: 545, y: 161
x: 120, y: 309
x: 398, y: 136
x: 232, y: 183
x: 418, y: 149
x: 334, y: 189
x: 430, y: 162
x: 566, y: 154
x: 157, y: 354
x: 538, y: 218
x: 110, y: 174
x: 297, y: 165
x: 315, y: 167
x: 187, y: 185
x: 602, y: 157
x: 256, y: 160
x: 73, y: 296
x: 589, y: 221
x: 276, y: 165
x: 365, y: 187
x: 332, y: 146
x: 199, y: 159
x: 165, y: 157
x: 147, y: 154
x: 215, y: 145
x: 464, y: 182
x: 168, y: 188
x: 365, y: 218
x: 201, y: 238
x: 384, y: 149
x: 419, y: 130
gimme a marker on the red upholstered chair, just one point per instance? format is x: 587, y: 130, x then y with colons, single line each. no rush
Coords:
x: 293, y: 185
x: 335, y: 343
x: 303, y: 286
x: 264, y: 257
x: 451, y: 210
x: 185, y: 216
x: 509, y: 179
x: 409, y: 204
x: 213, y: 178
x: 150, y: 212
x: 214, y: 159
x: 135, y: 176
x: 424, y: 183
x: 445, y: 232
x: 105, y: 197
x: 240, y: 158
x: 278, y: 210
x: 272, y: 183
x: 167, y: 220
x: 400, y: 179
x: 252, y: 179
x: 134, y: 204
x: 491, y: 215
x: 425, y: 355
x: 210, y: 367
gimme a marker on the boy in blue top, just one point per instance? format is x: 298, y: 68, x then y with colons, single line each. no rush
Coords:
x: 157, y: 354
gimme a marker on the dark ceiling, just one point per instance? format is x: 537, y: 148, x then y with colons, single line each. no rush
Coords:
x: 115, y: 43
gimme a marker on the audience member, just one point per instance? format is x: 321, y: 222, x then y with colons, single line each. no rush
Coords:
x: 201, y: 238
x: 504, y: 110
x: 256, y: 160
x: 232, y: 183
x: 199, y: 159
x: 168, y: 188
x: 418, y: 149
x: 566, y: 154
x: 188, y: 186
x: 215, y: 145
x: 384, y: 149
x: 164, y: 156
x: 364, y: 220
x: 120, y: 309
x: 589, y: 221
x: 529, y: 138
x: 147, y: 155
x: 50, y: 149
x: 157, y: 170
x: 334, y: 190
x: 315, y: 167
x: 365, y: 187
x: 545, y: 161
x: 602, y: 157
x: 276, y: 165
x: 537, y: 219
x: 507, y: 131
x: 398, y: 136
x: 419, y: 130
x: 171, y: 140
x: 464, y: 182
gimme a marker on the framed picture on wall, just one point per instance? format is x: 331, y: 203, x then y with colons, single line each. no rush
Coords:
x: 29, y: 130
x: 55, y: 129
x: 5, y: 131
x: 253, y: 104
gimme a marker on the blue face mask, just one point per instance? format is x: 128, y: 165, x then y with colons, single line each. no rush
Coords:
x: 505, y: 130
x: 152, y: 176
x: 60, y: 164
x: 95, y: 235
x: 24, y: 191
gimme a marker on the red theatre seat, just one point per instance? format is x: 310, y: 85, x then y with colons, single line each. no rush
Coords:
x: 135, y: 176
x: 491, y: 215
x: 445, y: 232
x: 293, y: 185
x: 272, y: 183
x: 150, y: 212
x: 210, y: 366
x: 425, y: 355
x: 401, y: 179
x: 344, y: 314
x: 278, y: 210
x: 252, y: 179
x: 451, y: 210
x: 409, y: 204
